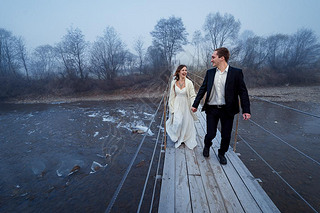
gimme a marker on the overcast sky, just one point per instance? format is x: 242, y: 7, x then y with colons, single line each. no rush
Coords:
x: 42, y: 22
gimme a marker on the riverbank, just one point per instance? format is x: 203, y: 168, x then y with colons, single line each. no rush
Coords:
x: 288, y: 93
x: 282, y: 94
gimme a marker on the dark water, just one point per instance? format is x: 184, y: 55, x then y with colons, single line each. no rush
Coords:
x: 300, y: 131
x: 41, y: 144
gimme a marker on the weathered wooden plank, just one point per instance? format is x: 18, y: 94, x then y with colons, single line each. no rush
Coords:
x: 260, y: 196
x: 203, y: 185
x: 167, y: 195
x: 192, y: 162
x: 245, y: 197
x: 248, y: 203
x: 182, y: 193
x: 214, y: 197
x: 198, y: 196
x: 231, y: 201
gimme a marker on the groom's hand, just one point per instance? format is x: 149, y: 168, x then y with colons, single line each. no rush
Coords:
x: 193, y: 109
x: 246, y: 116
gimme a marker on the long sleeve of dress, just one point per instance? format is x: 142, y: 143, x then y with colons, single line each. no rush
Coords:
x: 171, y: 97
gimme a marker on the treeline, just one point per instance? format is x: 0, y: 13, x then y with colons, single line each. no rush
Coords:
x: 277, y: 59
x: 75, y: 65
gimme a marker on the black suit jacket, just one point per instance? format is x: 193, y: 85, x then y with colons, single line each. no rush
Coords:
x: 234, y: 88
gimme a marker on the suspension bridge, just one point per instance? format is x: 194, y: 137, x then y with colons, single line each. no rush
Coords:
x: 191, y: 183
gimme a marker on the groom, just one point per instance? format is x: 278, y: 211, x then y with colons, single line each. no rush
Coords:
x: 223, y: 85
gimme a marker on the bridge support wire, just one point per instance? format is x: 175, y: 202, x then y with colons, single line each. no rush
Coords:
x: 283, y: 141
x: 154, y: 150
x: 275, y: 172
x: 115, y: 195
x: 287, y: 107
x: 159, y: 160
x: 150, y: 165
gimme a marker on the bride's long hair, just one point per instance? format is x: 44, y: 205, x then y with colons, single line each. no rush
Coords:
x: 179, y: 68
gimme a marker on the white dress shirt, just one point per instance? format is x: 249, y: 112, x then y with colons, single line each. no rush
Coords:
x: 217, y: 91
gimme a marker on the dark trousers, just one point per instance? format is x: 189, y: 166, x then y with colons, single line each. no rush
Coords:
x: 226, y: 120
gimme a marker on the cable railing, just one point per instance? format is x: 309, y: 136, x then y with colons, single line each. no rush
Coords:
x: 277, y: 173
x: 116, y: 193
x: 283, y: 141
x: 287, y: 107
x: 151, y: 162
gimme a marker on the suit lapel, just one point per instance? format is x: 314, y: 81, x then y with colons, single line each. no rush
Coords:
x: 211, y: 80
x: 229, y: 77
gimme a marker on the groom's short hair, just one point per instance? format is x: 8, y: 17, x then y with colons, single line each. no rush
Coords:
x: 222, y: 51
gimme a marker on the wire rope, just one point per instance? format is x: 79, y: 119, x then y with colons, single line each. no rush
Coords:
x: 116, y: 193
x: 275, y: 172
x: 148, y: 174
x: 158, y: 167
x: 287, y: 107
x: 302, y: 153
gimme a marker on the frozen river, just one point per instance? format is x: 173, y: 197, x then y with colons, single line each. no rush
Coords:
x: 70, y: 157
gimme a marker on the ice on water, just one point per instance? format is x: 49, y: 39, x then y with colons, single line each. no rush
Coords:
x: 95, y: 166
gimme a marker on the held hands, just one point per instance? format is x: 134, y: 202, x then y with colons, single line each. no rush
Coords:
x: 246, y: 116
x: 193, y: 109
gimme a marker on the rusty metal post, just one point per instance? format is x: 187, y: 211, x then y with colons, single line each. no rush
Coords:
x: 164, y: 123
x: 236, y: 132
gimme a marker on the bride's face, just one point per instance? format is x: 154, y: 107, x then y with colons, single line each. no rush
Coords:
x: 183, y: 72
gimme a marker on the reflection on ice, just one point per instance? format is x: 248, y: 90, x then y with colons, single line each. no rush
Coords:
x: 145, y: 129
x: 69, y: 166
x: 74, y: 170
x: 38, y: 167
x: 31, y: 131
x: 123, y: 112
x: 96, y: 166
x: 93, y: 115
x: 108, y: 118
x: 147, y: 114
x: 58, y: 102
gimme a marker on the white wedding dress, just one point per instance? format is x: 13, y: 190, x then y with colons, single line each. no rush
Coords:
x: 180, y: 125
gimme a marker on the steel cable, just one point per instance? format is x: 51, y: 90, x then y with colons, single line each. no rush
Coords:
x: 115, y: 195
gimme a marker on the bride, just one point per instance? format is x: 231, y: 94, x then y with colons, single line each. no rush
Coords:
x: 180, y: 125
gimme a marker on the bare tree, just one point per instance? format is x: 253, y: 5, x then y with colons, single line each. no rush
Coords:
x: 23, y: 55
x: 44, y: 62
x: 108, y: 55
x: 72, y: 50
x: 155, y: 59
x: 304, y: 48
x: 139, y: 48
x: 131, y: 64
x: 9, y: 63
x: 197, y: 40
x: 169, y: 35
x: 254, y: 52
x: 221, y: 30
x: 206, y: 54
x: 278, y: 52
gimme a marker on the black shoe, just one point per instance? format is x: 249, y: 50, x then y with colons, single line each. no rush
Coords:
x: 222, y: 159
x: 206, y: 151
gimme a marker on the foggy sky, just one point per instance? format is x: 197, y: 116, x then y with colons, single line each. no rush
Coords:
x: 42, y: 22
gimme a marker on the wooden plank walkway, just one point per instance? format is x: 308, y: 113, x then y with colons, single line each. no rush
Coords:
x: 192, y: 183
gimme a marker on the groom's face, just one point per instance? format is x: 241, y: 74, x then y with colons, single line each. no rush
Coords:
x: 215, y: 60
